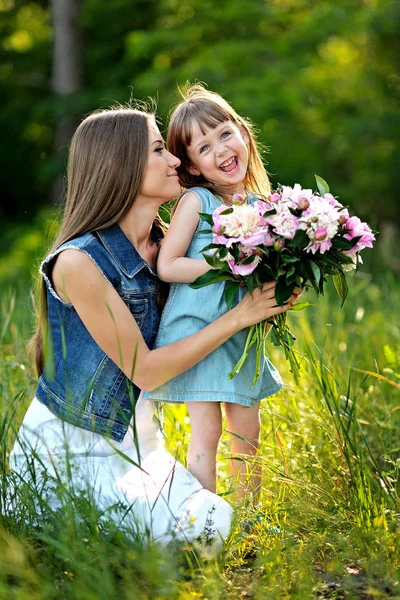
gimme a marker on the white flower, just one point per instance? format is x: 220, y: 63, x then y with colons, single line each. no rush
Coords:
x: 284, y: 222
x: 242, y: 222
x: 353, y: 265
x: 320, y: 214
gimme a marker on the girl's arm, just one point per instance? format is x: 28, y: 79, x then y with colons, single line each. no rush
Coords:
x: 109, y: 321
x: 172, y: 264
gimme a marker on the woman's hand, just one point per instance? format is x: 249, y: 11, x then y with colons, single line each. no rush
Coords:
x: 260, y: 305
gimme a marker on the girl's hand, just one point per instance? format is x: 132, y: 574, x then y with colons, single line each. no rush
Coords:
x: 260, y: 305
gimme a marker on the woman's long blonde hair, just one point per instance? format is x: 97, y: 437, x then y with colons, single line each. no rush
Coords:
x: 107, y: 161
x: 208, y: 109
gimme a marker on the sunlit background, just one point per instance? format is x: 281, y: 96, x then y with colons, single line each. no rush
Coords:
x: 320, y: 80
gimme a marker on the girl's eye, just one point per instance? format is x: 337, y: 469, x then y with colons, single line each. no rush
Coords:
x: 226, y: 134
x: 204, y: 148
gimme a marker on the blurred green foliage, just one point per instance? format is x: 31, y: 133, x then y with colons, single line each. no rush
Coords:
x: 319, y: 79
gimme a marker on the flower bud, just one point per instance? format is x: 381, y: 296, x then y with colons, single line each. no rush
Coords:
x: 303, y: 203
x: 274, y: 197
x: 279, y: 245
x: 218, y: 228
x: 237, y: 198
x: 320, y: 234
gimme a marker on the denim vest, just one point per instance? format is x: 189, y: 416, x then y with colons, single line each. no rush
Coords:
x: 80, y: 383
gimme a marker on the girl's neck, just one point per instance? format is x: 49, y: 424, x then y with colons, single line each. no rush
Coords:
x: 227, y: 196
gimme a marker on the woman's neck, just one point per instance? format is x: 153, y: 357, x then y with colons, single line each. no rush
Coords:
x: 137, y: 225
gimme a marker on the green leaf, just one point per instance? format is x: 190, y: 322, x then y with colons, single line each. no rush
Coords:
x: 343, y: 243
x: 250, y: 283
x: 323, y: 187
x: 211, y: 277
x: 213, y: 261
x: 301, y: 306
x: 316, y: 271
x: 228, y: 211
x: 234, y: 250
x: 268, y: 213
x: 209, y: 247
x: 288, y: 258
x: 275, y: 338
x: 207, y: 218
x: 230, y: 293
x: 341, y: 285
x: 283, y: 291
x: 223, y: 252
x: 308, y: 274
x: 300, y: 240
x: 291, y: 270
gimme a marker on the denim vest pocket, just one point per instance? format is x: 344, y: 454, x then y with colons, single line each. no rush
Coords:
x: 108, y: 393
x: 137, y: 304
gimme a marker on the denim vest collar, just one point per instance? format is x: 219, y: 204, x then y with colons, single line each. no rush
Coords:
x: 123, y: 251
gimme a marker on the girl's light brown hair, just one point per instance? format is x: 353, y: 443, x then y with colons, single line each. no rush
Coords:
x: 208, y: 109
x: 107, y: 161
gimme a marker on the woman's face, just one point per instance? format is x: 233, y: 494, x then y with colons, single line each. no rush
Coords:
x: 160, y: 180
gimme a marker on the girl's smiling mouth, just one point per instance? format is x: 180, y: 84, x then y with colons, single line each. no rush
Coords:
x: 230, y: 166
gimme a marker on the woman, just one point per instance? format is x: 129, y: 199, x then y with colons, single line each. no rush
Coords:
x: 98, y: 320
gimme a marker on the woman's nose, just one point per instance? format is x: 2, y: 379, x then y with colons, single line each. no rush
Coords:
x: 173, y: 160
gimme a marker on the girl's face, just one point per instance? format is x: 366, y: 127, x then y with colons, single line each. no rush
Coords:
x: 220, y: 155
x: 160, y: 180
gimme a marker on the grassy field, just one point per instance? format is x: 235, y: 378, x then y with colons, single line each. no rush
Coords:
x: 330, y: 455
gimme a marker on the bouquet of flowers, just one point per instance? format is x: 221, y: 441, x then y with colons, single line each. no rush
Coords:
x: 295, y: 236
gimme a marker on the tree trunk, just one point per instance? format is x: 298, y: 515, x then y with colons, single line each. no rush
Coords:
x: 66, y: 79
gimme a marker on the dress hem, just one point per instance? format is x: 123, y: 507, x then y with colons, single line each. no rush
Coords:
x: 204, y: 396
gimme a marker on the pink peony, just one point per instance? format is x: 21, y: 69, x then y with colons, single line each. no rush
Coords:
x: 321, y: 247
x: 274, y: 197
x: 242, y: 269
x: 284, y: 223
x: 321, y: 223
x: 356, y: 228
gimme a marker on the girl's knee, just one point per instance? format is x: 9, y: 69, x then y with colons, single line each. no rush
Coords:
x: 209, y: 433
x: 206, y: 423
x: 244, y: 422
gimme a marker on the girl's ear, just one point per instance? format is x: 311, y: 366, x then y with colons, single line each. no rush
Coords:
x: 245, y: 135
x: 194, y: 171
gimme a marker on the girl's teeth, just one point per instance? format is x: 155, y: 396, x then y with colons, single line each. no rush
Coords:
x: 229, y: 165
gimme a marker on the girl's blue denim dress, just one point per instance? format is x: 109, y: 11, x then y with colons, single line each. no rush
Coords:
x: 186, y: 312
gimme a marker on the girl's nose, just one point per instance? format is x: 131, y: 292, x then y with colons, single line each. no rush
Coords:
x: 220, y: 149
x: 173, y: 160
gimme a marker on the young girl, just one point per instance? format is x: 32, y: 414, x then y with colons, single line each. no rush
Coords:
x: 218, y: 155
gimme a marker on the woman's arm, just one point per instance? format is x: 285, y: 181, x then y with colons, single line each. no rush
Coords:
x: 172, y: 264
x: 79, y: 282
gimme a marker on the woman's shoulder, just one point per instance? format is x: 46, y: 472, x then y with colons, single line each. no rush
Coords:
x: 81, y: 254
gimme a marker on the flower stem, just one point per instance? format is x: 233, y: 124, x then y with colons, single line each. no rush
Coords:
x: 251, y: 339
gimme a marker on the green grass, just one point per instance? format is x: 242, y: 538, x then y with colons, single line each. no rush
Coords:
x: 330, y: 456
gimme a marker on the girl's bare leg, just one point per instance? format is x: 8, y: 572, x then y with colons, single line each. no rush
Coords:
x: 206, y: 424
x: 244, y: 423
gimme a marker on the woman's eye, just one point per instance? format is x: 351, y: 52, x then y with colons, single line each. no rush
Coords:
x: 159, y: 149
